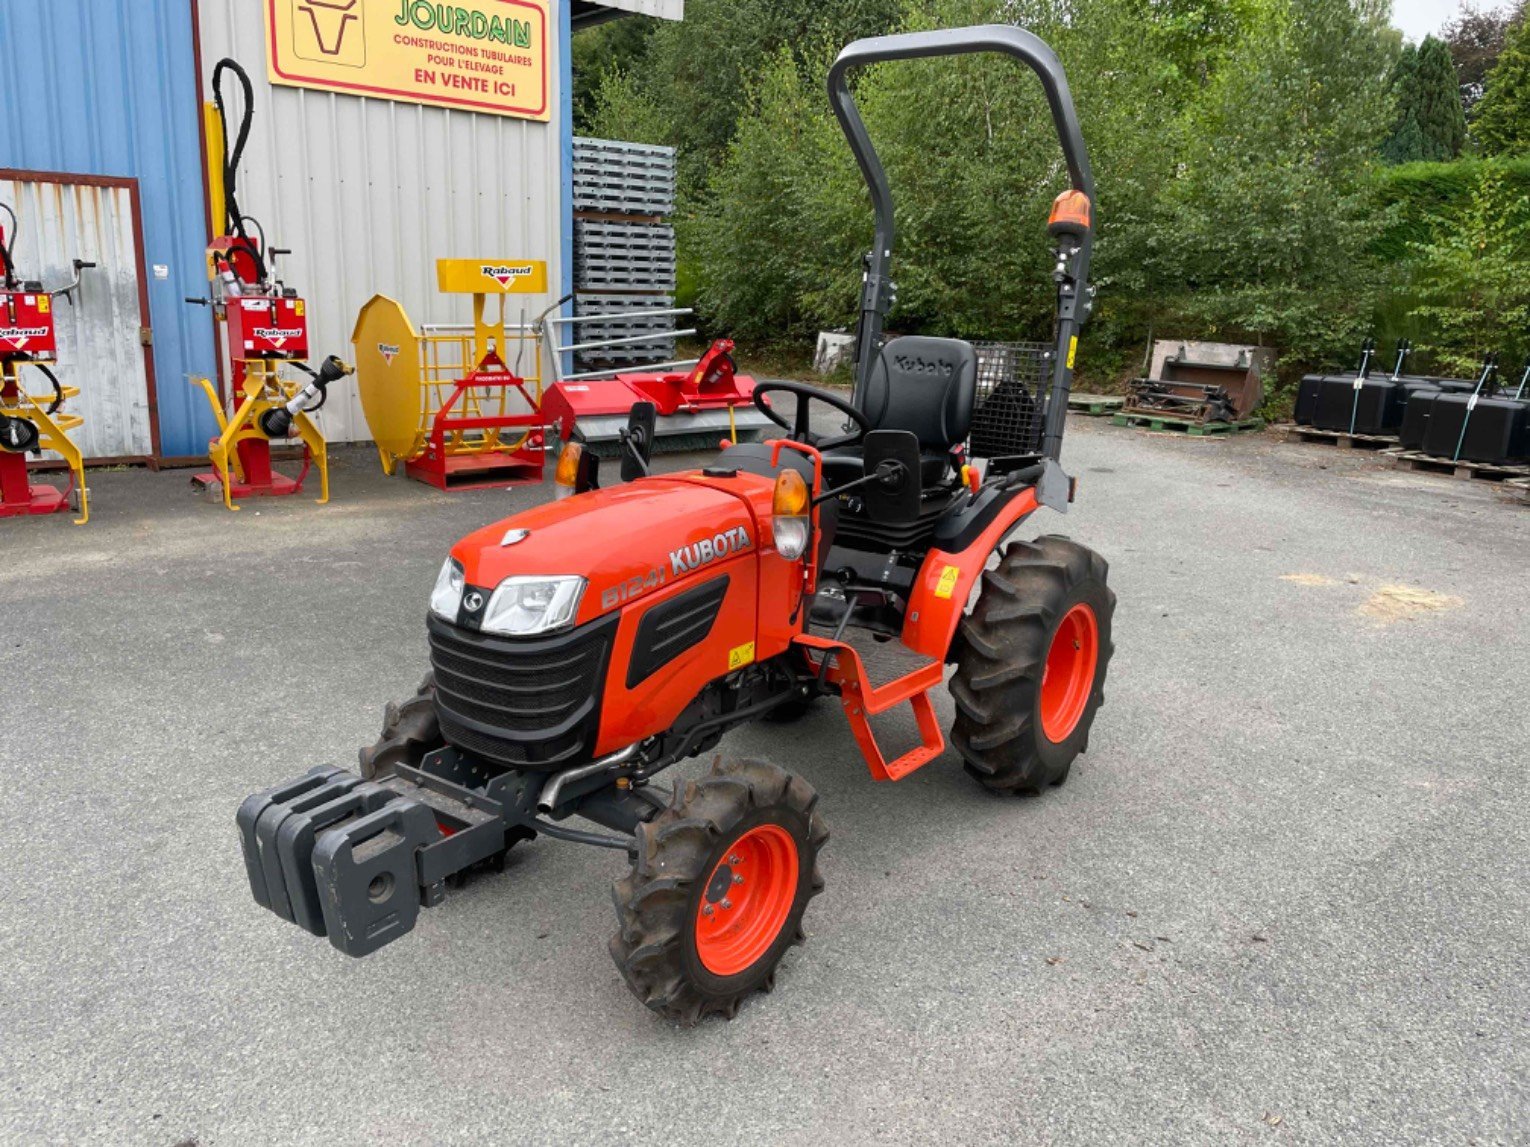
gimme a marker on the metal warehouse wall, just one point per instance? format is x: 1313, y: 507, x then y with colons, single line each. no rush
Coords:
x: 369, y: 193
x: 108, y: 87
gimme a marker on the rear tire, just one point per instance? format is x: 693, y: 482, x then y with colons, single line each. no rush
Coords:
x: 717, y: 890
x: 1031, y: 672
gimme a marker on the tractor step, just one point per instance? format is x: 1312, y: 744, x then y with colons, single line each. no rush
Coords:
x: 862, y: 700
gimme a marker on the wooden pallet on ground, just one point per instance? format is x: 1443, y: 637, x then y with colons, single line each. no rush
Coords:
x: 1095, y: 405
x: 1340, y: 439
x: 1483, y: 471
x: 1186, y: 425
x: 1516, y: 490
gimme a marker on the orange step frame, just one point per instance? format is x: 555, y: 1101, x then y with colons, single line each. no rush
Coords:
x: 862, y: 701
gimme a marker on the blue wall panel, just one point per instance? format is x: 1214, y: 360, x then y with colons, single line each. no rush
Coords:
x: 108, y: 87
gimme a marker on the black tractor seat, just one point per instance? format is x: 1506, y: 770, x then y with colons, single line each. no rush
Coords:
x: 927, y: 386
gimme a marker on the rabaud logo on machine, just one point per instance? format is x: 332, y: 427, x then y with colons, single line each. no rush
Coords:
x: 505, y: 274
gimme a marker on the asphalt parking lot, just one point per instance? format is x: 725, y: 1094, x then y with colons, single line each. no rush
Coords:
x: 1285, y: 897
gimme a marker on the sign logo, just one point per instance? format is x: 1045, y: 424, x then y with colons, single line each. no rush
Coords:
x: 330, y: 31
x: 505, y: 274
x: 473, y: 602
x: 388, y: 351
x: 489, y: 56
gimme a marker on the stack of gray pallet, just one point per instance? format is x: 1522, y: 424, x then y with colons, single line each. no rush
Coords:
x: 624, y: 250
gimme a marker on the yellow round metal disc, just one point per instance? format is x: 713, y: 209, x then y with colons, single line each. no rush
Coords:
x: 388, y: 377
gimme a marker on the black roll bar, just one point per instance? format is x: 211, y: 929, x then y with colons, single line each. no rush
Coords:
x: 878, y: 292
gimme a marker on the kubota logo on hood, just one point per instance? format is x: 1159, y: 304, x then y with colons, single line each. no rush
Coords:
x: 708, y: 550
x: 505, y: 274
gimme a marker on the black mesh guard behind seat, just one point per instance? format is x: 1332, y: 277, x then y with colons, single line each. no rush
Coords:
x: 924, y: 385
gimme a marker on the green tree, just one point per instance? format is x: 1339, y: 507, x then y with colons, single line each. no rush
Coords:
x: 1429, y: 124
x: 1272, y: 216
x: 1502, y: 124
x: 613, y: 46
x: 1474, y: 295
x: 1475, y: 38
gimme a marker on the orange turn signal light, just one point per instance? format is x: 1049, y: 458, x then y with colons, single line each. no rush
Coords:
x: 1072, y: 214
x: 791, y: 498
x: 567, y: 474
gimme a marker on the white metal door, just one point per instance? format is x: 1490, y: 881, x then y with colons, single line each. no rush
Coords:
x: 99, y: 345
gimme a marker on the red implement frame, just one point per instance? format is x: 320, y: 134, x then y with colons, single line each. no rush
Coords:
x: 460, y: 468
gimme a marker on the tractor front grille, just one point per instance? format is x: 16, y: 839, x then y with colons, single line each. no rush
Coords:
x: 526, y: 703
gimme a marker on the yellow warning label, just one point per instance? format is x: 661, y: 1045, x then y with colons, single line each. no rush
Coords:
x: 948, y: 579
x: 299, y: 308
x: 742, y: 656
x: 44, y: 304
x: 1072, y: 351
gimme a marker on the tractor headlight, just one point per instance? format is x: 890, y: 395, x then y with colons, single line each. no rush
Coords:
x: 523, y: 606
x: 446, y: 598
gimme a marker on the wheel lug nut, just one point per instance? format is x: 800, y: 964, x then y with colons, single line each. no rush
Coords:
x: 727, y: 903
x: 733, y: 859
x: 707, y: 909
x: 737, y: 879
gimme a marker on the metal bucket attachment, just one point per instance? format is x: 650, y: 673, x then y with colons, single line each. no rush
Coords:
x: 1202, y: 382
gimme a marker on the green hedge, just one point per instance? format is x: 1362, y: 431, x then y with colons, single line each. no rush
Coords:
x: 1425, y: 198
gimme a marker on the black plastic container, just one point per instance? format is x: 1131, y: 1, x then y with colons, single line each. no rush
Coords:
x: 1498, y: 432
x: 1307, y: 398
x: 1415, y: 420
x: 1375, y: 406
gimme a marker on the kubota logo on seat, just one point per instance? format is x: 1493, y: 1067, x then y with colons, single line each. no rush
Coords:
x: 914, y: 364
x: 698, y: 554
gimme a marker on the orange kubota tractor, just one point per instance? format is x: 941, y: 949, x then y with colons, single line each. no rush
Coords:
x: 581, y: 648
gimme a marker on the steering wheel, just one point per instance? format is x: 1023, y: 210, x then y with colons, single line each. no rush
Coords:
x: 799, y: 427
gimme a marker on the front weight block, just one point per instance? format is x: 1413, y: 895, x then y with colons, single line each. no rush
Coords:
x: 368, y: 876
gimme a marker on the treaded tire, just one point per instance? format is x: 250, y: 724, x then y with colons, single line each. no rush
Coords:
x: 675, y: 869
x: 410, y: 731
x: 1000, y: 728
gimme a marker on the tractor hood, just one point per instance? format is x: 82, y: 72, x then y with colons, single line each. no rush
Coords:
x: 625, y: 541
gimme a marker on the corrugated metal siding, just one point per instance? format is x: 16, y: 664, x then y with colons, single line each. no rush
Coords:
x: 98, y: 348
x: 370, y: 193
x: 108, y: 87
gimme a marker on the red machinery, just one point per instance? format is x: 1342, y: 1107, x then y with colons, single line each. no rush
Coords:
x: 30, y: 424
x: 694, y: 407
x: 266, y: 324
x: 455, y: 404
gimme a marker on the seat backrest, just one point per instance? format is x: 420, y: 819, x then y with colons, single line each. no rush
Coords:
x: 924, y: 385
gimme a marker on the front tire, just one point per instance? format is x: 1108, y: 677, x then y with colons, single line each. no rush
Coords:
x: 410, y: 732
x: 717, y: 890
x: 1031, y: 672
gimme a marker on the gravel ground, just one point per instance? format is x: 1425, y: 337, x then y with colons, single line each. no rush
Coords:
x: 1283, y: 898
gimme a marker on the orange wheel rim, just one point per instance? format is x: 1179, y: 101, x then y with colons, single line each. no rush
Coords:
x: 1069, y: 675
x: 746, y: 901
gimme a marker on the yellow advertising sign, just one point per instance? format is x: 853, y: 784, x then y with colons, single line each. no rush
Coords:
x: 488, y: 56
x: 491, y: 276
